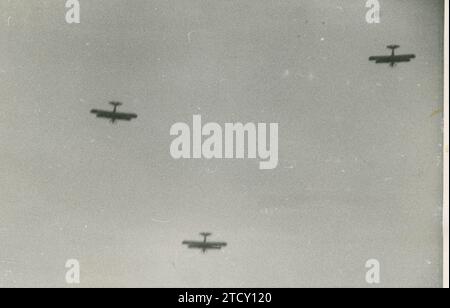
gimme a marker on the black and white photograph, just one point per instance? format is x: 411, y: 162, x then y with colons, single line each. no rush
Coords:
x: 218, y: 144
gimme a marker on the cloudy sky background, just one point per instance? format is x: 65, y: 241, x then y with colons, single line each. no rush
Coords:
x: 360, y: 144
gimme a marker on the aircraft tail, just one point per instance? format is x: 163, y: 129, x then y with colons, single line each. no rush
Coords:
x: 115, y: 104
x: 393, y: 47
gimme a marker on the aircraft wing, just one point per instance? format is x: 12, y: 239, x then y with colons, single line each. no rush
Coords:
x: 202, y: 245
x: 381, y: 59
x: 206, y: 246
x: 103, y: 113
x: 125, y: 116
x: 96, y: 111
x: 191, y: 243
x: 403, y: 58
x: 216, y: 244
x: 390, y: 59
x: 213, y: 247
x: 114, y: 115
x: 197, y: 245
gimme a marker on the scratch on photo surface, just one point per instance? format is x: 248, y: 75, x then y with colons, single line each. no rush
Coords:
x: 189, y: 36
x: 160, y: 221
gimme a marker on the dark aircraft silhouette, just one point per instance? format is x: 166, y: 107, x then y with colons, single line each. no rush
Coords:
x: 114, y: 115
x: 204, y: 245
x: 393, y: 58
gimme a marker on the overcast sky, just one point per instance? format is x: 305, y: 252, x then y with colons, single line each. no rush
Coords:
x: 360, y: 166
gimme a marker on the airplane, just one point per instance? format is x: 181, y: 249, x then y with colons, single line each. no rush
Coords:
x: 393, y: 58
x: 204, y: 245
x: 114, y: 115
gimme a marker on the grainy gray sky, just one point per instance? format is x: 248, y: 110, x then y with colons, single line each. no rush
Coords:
x: 360, y: 144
